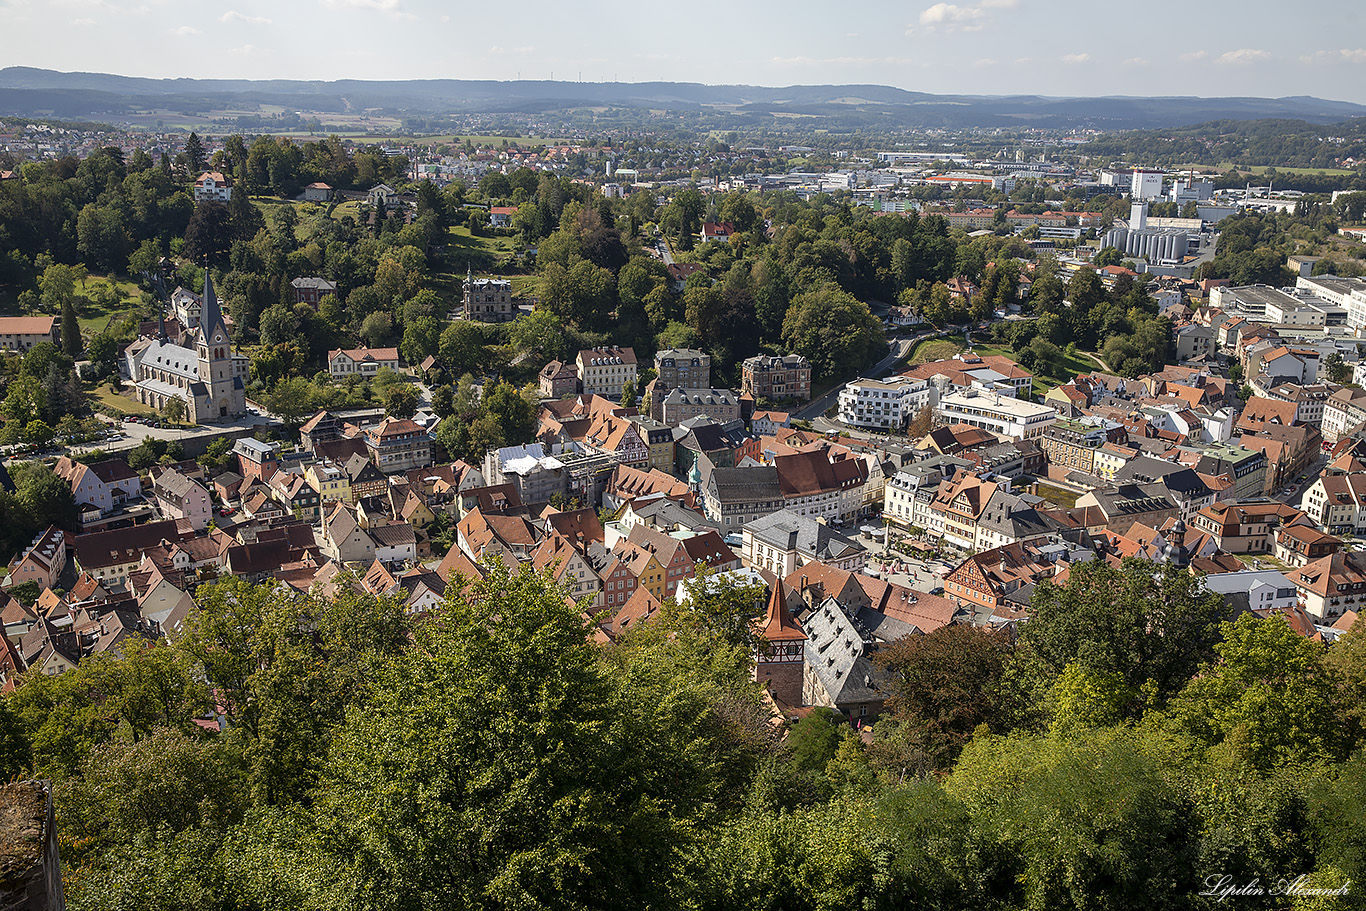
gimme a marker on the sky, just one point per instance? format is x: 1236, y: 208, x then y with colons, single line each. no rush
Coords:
x: 990, y: 47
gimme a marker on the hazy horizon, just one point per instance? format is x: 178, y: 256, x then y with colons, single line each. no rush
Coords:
x: 987, y: 47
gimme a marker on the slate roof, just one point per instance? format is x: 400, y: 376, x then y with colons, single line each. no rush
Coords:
x: 837, y: 654
x: 785, y: 530
x: 745, y: 484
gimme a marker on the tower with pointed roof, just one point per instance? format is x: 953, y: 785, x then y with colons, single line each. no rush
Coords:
x: 199, y: 368
x: 1175, y: 552
x: 780, y: 661
x: 213, y: 348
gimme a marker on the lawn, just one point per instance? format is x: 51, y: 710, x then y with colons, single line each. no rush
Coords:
x: 452, y: 139
x: 1042, y: 383
x: 94, y: 317
x: 1263, y: 561
x: 1262, y: 169
x: 933, y: 349
x: 487, y: 254
x: 350, y: 207
x: 101, y: 394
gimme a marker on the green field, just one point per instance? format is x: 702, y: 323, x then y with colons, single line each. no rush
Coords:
x: 93, y: 317
x: 1262, y: 169
x: 101, y: 394
x: 1073, y: 365
x: 933, y: 349
x: 450, y: 138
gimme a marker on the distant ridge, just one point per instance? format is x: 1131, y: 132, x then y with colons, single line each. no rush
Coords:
x: 28, y: 91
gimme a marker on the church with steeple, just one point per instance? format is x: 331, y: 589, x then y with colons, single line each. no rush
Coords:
x: 200, y: 369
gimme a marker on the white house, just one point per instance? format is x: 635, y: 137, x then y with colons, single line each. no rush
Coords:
x: 363, y: 362
x: 885, y: 404
x: 1266, y: 589
x: 604, y: 371
x: 212, y: 186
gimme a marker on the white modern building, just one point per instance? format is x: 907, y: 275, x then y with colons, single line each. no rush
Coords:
x: 1009, y: 417
x: 1345, y: 292
x: 1266, y: 589
x: 1191, y: 189
x: 885, y: 404
x: 1145, y: 184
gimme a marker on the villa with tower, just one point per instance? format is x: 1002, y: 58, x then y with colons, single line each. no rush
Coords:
x: 200, y: 368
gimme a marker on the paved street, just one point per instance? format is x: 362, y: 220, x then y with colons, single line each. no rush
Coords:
x: 1295, y: 491
x: 900, y: 348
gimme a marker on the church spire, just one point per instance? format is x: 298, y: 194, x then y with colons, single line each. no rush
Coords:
x: 162, y: 301
x: 778, y: 622
x: 210, y: 316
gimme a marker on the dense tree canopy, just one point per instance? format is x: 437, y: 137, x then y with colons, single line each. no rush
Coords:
x: 489, y: 755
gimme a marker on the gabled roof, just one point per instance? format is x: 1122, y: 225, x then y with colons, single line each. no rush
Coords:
x: 788, y: 531
x: 123, y: 545
x: 744, y: 485
x: 580, y: 526
x: 628, y: 482
x: 639, y: 608
x: 805, y: 474
x: 707, y: 547
x: 364, y: 355
x: 456, y: 563
x: 836, y: 654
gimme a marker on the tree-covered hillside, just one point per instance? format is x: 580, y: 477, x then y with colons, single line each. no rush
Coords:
x: 1132, y: 744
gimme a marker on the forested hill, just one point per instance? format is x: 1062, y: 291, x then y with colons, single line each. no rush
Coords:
x: 28, y: 91
x: 1283, y: 142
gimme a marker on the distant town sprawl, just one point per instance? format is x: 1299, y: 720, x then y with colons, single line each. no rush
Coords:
x: 776, y: 422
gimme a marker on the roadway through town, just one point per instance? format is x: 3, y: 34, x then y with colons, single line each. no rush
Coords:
x: 900, y: 348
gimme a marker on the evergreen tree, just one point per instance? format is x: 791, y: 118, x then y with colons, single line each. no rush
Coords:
x: 194, y: 154
x: 71, y: 329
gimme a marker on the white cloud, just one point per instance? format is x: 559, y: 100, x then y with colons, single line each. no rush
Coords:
x: 83, y: 22
x: 186, y: 31
x: 983, y: 62
x: 1345, y: 55
x: 246, y: 50
x: 1136, y: 61
x: 233, y: 15
x: 384, y: 6
x: 951, y: 17
x: 1243, y: 56
x: 1075, y: 58
x: 1193, y: 56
